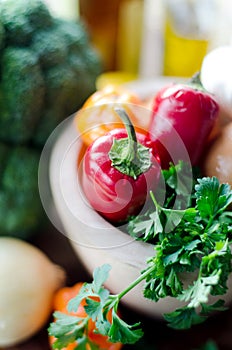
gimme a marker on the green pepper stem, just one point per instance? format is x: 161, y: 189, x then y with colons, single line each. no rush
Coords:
x: 127, y: 155
x: 195, y: 82
x: 131, y: 152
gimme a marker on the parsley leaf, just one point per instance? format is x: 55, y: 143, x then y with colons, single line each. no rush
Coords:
x: 212, y: 198
x: 121, y: 330
x: 183, y: 318
x: 217, y: 306
x: 199, y: 291
x: 100, y: 275
x: 93, y: 289
x: 67, y: 329
x: 146, y: 229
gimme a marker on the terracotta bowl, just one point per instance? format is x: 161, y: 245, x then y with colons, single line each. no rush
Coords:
x: 94, y: 240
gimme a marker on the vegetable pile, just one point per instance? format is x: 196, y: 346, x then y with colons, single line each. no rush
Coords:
x: 191, y: 231
x: 47, y: 70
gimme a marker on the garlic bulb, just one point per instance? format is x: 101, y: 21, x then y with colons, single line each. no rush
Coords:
x: 216, y: 75
x: 28, y: 280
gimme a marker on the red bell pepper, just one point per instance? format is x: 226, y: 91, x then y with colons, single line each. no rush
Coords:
x: 182, y: 119
x: 119, y: 171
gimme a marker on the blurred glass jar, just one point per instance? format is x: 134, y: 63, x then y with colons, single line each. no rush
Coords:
x: 129, y: 35
x: 115, y: 28
x: 189, y: 27
x: 101, y: 18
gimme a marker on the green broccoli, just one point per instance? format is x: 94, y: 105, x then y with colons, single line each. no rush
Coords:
x: 60, y: 99
x: 38, y: 70
x: 2, y: 35
x: 22, y: 94
x: 74, y: 35
x: 49, y: 47
x: 22, y: 18
x: 47, y: 70
x: 20, y: 207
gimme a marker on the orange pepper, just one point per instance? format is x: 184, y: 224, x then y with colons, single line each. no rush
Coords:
x: 97, y: 116
x: 61, y: 299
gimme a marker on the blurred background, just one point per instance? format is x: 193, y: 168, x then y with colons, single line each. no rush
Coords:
x: 148, y: 38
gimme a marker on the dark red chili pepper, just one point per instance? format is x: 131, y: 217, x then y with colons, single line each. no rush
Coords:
x: 182, y: 119
x: 119, y: 171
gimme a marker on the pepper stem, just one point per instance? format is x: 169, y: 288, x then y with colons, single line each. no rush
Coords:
x: 131, y: 151
x: 128, y: 155
x: 195, y: 82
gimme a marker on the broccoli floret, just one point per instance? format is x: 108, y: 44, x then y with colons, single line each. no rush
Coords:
x: 21, y: 18
x: 47, y: 70
x: 63, y: 87
x: 74, y: 34
x: 2, y: 35
x: 92, y: 61
x: 48, y: 122
x: 50, y: 47
x: 20, y: 206
x: 22, y: 94
x: 83, y: 58
x: 4, y: 150
x: 85, y: 65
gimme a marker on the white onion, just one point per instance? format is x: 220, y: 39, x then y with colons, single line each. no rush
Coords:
x: 28, y: 280
x: 216, y: 75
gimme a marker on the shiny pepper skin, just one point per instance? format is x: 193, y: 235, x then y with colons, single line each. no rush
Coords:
x: 115, y: 195
x: 182, y: 119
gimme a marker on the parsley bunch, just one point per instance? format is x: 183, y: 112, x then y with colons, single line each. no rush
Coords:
x: 194, y: 240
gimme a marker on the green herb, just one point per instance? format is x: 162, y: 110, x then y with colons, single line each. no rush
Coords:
x: 68, y: 329
x: 198, y: 245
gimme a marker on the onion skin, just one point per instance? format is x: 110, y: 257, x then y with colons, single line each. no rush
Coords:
x: 28, y: 283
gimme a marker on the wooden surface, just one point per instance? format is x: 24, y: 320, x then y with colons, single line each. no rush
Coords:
x: 157, y: 335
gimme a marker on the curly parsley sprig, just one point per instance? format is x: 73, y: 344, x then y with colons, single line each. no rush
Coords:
x: 198, y: 245
x: 99, y: 303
